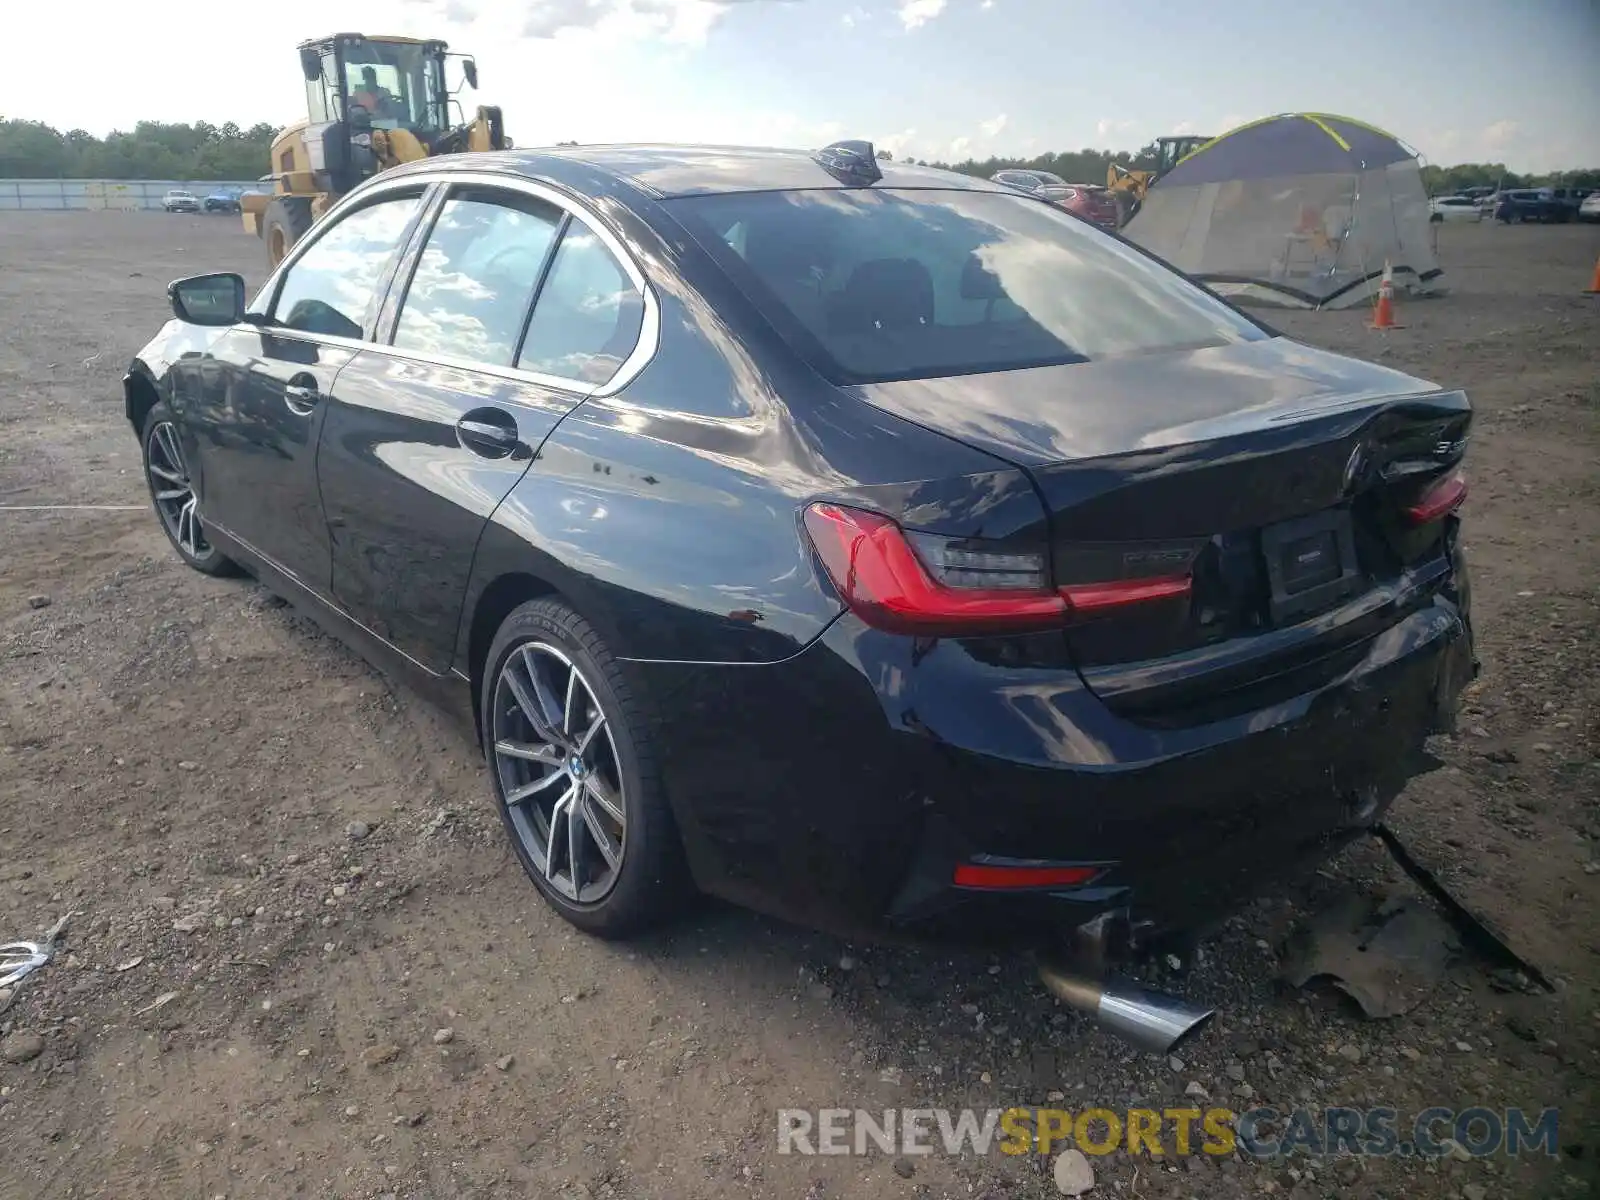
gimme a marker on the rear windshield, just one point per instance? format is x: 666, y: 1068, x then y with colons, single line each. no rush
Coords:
x: 880, y: 285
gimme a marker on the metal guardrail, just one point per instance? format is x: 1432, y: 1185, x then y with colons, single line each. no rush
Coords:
x: 131, y: 195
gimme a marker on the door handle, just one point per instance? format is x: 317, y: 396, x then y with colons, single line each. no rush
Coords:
x: 300, y: 397
x: 488, y: 432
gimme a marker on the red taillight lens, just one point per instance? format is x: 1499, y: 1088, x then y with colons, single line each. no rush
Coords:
x: 1004, y: 876
x: 1443, y: 496
x: 1088, y: 598
x: 880, y: 577
x: 931, y: 585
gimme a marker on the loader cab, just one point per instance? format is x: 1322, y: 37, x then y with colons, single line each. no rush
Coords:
x: 384, y: 83
x: 1170, y: 151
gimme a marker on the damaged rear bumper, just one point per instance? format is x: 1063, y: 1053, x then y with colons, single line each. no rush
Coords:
x: 873, y: 790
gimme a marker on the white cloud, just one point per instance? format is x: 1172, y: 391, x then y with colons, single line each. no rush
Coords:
x: 856, y: 16
x: 960, y: 149
x: 901, y: 145
x: 1109, y: 126
x: 684, y: 21
x: 919, y: 12
x: 1497, y: 135
x: 993, y: 126
x: 987, y: 4
x: 1183, y: 127
x: 1229, y: 123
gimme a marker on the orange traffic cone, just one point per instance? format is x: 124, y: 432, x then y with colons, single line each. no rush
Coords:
x: 1594, y: 284
x: 1383, y: 315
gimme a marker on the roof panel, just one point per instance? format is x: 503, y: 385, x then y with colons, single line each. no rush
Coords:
x: 689, y: 170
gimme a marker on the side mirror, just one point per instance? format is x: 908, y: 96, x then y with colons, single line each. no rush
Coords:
x: 469, y: 68
x: 208, y: 299
x: 310, y: 64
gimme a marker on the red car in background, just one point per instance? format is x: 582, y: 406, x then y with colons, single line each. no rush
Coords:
x: 1090, y: 201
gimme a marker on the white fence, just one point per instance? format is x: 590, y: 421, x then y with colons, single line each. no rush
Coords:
x: 58, y: 195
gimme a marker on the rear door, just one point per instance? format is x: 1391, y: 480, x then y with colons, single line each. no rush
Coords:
x: 513, y: 311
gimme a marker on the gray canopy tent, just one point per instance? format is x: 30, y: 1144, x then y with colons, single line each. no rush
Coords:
x: 1300, y: 210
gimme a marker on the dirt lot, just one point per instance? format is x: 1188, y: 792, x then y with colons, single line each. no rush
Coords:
x: 302, y: 962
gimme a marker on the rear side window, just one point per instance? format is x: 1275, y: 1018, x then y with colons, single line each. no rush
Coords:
x: 881, y: 285
x: 328, y: 289
x: 470, y: 292
x: 588, y: 315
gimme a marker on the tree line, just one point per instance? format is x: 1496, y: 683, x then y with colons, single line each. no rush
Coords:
x: 153, y: 150
x: 203, y: 152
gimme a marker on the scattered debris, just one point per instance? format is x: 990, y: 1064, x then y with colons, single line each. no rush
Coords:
x: 443, y: 1037
x: 1386, y: 959
x: 441, y: 820
x: 131, y: 963
x: 1474, y: 930
x: 1073, y: 1174
x: 18, y: 960
x: 40, y: 601
x: 160, y: 1001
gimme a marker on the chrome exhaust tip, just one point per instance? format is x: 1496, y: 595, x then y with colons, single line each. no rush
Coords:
x: 1151, y: 1021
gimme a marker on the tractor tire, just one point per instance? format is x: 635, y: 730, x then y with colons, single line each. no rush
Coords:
x: 284, y: 223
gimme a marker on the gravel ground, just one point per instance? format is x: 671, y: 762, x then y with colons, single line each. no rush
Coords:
x: 302, y: 962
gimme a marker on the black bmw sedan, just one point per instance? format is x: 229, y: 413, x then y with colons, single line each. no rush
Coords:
x: 867, y: 544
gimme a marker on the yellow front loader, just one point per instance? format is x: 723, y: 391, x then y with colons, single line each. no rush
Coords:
x: 1130, y: 185
x: 371, y: 103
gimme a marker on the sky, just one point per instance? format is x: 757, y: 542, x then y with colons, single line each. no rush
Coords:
x: 1459, y: 80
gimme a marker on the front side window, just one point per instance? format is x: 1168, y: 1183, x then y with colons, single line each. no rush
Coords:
x: 874, y: 285
x: 470, y: 292
x: 329, y: 288
x: 588, y: 316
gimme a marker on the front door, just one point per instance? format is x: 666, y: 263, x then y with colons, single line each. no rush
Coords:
x: 256, y: 409
x: 427, y: 435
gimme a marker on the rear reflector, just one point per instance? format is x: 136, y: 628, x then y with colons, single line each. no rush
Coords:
x: 929, y: 585
x: 1443, y: 496
x: 996, y: 876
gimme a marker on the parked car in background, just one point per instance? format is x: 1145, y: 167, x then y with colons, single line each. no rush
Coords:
x: 865, y: 543
x: 1571, y: 198
x: 1589, y: 207
x: 1454, y: 208
x: 178, y: 200
x: 223, y: 200
x: 1092, y: 202
x: 1531, y: 204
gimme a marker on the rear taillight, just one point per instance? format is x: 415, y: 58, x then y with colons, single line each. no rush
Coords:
x: 1011, y: 875
x: 931, y: 585
x: 1441, y: 497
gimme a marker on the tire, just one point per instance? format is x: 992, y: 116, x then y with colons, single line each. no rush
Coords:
x: 162, y: 456
x: 284, y: 223
x: 648, y: 882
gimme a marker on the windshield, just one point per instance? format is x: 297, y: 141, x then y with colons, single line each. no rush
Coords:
x: 396, y: 84
x: 1052, y: 180
x: 880, y: 285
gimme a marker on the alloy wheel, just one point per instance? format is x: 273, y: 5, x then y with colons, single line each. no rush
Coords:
x: 558, y: 772
x: 174, y: 495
